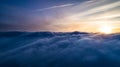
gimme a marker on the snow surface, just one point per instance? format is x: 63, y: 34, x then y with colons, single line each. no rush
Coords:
x: 50, y: 49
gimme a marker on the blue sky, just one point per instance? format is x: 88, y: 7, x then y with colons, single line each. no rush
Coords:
x: 58, y: 15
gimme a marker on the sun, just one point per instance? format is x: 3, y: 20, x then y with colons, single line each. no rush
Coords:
x: 106, y: 29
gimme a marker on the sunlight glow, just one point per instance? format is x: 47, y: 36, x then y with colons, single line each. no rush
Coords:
x: 106, y: 29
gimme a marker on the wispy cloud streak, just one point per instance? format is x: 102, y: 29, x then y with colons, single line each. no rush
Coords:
x: 54, y: 7
x: 98, y: 9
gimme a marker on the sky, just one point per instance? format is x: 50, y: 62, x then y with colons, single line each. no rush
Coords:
x: 59, y: 15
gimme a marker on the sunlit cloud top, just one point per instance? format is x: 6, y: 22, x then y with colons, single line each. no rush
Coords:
x: 60, y: 16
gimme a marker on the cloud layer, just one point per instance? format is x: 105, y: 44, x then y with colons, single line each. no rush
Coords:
x: 49, y: 49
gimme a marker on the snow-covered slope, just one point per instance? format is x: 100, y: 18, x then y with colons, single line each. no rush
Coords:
x: 50, y: 49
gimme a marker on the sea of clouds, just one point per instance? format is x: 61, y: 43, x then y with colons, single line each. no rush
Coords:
x: 50, y: 49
